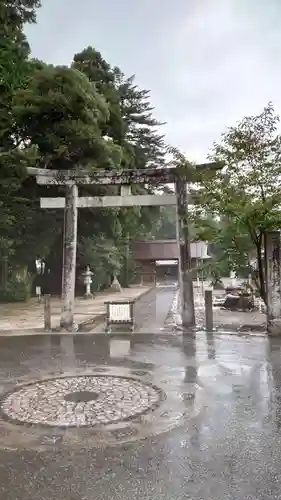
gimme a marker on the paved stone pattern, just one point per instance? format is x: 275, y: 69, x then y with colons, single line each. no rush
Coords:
x: 47, y: 402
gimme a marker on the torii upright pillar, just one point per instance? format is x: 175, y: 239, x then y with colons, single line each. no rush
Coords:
x: 69, y: 256
x: 185, y: 274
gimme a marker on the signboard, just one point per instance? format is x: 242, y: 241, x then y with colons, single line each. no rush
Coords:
x: 119, y: 313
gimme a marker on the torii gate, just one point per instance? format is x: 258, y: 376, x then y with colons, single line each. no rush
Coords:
x: 72, y: 179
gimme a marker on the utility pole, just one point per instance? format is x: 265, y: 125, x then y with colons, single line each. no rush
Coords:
x: 69, y: 256
x: 185, y: 275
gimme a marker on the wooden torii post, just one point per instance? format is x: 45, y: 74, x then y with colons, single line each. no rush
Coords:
x: 125, y: 179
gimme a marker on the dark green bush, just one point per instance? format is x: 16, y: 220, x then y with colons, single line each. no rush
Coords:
x: 16, y: 290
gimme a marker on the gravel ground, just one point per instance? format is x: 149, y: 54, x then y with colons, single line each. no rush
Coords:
x: 224, y: 320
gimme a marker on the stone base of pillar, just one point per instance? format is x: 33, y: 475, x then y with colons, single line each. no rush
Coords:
x: 66, y: 320
x: 88, y: 295
x: 115, y: 286
x: 69, y: 329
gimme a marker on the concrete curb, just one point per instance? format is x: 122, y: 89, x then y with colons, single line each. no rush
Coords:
x: 88, y: 325
x: 83, y: 327
x: 20, y: 333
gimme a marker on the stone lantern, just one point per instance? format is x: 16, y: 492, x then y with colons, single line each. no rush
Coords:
x: 87, y: 282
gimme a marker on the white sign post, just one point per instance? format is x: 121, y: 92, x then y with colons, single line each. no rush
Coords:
x: 120, y: 312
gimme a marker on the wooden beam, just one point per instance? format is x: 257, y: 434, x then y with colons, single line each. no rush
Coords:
x: 113, y: 201
x: 81, y: 177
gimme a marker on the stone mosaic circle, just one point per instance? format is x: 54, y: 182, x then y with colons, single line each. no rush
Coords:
x: 83, y: 401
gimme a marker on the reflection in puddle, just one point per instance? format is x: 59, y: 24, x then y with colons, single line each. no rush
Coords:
x: 67, y: 349
x: 119, y: 348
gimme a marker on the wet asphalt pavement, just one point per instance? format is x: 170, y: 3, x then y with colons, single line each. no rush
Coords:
x: 216, y: 435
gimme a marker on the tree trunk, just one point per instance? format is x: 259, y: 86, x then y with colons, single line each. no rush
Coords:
x: 261, y: 273
x: 4, y: 271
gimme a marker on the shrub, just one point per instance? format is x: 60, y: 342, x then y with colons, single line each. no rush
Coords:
x: 16, y: 290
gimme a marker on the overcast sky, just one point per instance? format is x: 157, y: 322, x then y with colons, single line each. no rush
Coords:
x: 208, y: 63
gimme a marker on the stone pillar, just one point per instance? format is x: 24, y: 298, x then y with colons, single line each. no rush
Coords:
x: 185, y: 274
x: 273, y: 282
x: 69, y: 256
x: 179, y: 249
x: 125, y: 191
x: 47, y: 312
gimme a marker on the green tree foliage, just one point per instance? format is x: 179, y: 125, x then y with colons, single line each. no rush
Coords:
x: 230, y: 249
x: 91, y: 63
x: 245, y: 194
x: 14, y: 51
x: 131, y: 122
x: 60, y: 113
x: 131, y: 126
x: 102, y: 251
x: 145, y: 144
x: 89, y: 115
x: 14, y: 71
x: 165, y: 227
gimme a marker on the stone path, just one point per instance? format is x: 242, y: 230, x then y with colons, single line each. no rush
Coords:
x: 29, y: 317
x: 151, y: 310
